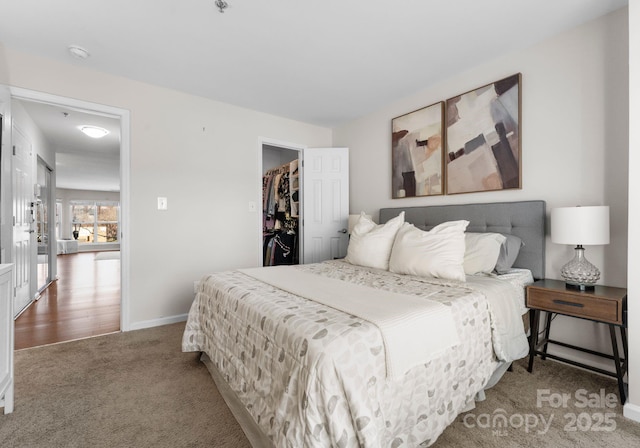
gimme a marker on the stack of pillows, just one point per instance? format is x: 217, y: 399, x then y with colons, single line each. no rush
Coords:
x: 446, y: 251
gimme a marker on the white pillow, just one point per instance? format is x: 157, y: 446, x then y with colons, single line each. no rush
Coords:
x: 436, y: 253
x: 370, y: 244
x: 482, y: 252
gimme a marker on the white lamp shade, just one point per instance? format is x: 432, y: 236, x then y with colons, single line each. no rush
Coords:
x: 580, y: 225
x: 353, y: 220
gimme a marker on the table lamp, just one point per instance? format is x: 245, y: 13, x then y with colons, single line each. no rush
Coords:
x: 580, y: 226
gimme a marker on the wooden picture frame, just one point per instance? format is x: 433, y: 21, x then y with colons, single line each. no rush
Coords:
x: 483, y: 138
x: 417, y: 162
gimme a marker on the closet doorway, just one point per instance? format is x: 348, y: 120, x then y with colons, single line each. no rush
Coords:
x: 281, y: 204
x: 323, y: 198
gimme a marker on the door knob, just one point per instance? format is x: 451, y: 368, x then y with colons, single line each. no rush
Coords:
x: 342, y: 231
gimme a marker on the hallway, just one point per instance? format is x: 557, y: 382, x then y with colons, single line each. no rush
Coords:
x: 83, y: 302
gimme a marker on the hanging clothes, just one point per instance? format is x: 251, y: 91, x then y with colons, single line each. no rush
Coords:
x: 280, y: 223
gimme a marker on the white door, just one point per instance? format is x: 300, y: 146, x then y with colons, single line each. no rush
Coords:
x: 23, y: 232
x: 325, y: 207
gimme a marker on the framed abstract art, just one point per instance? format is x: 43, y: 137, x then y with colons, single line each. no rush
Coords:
x: 483, y: 129
x: 417, y: 153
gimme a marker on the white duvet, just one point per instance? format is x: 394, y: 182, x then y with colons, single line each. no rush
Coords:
x: 508, y: 336
x: 313, y: 376
x: 401, y: 318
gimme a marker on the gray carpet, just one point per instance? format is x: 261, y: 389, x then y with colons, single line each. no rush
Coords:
x: 133, y: 389
x: 576, y: 420
x: 137, y: 389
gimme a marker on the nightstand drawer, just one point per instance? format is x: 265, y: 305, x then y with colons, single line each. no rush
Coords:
x: 579, y: 305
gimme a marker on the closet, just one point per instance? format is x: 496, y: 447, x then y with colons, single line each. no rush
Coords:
x: 280, y: 206
x: 307, y: 221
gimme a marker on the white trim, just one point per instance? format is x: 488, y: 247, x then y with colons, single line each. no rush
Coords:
x: 158, y: 322
x: 631, y: 411
x: 51, y: 238
x: 125, y: 177
x: 285, y: 145
x: 125, y: 191
x: 71, y: 103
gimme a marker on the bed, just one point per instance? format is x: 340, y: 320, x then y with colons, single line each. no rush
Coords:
x: 315, y: 373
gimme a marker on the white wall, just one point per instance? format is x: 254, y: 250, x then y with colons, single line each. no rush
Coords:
x: 201, y: 154
x: 574, y: 145
x: 273, y: 157
x: 40, y: 144
x: 6, y: 199
x: 632, y: 409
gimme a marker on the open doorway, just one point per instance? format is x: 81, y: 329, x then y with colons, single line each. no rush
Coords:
x: 86, y: 184
x: 281, y: 204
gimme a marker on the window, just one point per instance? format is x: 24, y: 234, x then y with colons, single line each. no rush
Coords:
x: 95, y: 222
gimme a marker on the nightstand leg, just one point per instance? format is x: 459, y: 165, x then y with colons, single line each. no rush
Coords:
x: 534, y: 338
x: 616, y: 358
x: 623, y: 335
x: 547, y: 330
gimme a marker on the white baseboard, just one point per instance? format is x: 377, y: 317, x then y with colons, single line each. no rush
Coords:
x: 631, y: 411
x: 158, y: 322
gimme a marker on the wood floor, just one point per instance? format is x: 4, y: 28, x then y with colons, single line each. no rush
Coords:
x: 83, y: 302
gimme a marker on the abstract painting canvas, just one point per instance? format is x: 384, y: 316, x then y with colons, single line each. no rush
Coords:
x: 483, y: 138
x: 416, y: 153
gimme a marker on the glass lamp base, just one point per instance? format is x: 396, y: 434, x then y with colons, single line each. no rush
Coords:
x: 579, y: 273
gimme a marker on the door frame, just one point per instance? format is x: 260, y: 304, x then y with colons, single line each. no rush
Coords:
x: 51, y: 230
x: 285, y: 145
x: 125, y: 177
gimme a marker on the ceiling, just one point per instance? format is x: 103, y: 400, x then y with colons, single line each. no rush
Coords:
x: 82, y: 162
x: 320, y: 62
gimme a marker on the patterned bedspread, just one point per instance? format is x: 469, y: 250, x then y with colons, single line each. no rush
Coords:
x: 314, y: 376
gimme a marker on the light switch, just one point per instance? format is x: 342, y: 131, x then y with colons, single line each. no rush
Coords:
x: 162, y: 203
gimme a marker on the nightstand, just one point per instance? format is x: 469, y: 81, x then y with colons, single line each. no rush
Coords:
x: 604, y: 304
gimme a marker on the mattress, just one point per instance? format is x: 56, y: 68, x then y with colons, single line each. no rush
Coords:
x: 311, y: 375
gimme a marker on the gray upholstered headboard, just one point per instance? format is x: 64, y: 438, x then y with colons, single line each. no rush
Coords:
x: 525, y: 219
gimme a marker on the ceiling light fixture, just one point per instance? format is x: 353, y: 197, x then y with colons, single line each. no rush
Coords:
x: 94, y: 131
x: 222, y: 5
x: 78, y: 52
